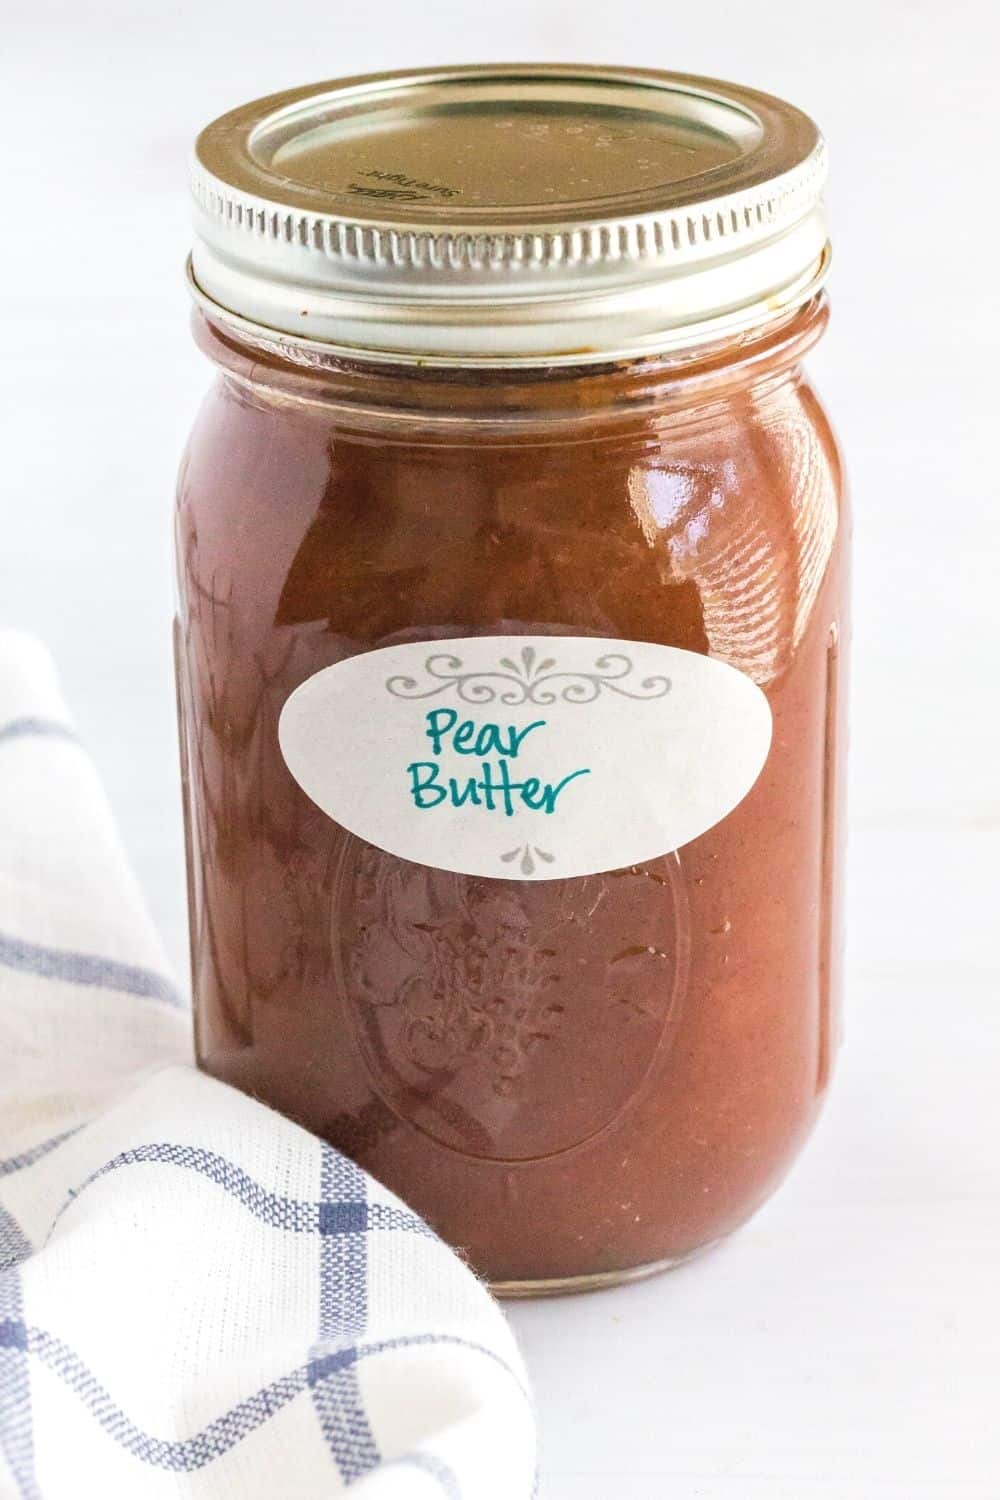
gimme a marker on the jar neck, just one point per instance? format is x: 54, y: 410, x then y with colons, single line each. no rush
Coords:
x: 686, y: 385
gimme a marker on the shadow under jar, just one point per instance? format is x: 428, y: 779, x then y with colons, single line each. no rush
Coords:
x: 511, y: 556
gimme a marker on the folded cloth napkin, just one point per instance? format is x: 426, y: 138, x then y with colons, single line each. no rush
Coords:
x: 197, y: 1298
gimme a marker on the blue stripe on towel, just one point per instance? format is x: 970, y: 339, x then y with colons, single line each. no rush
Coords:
x: 84, y: 968
x: 296, y: 1215
x: 429, y: 1463
x: 32, y: 728
x: 186, y: 1454
x: 343, y: 1310
x: 31, y: 1154
x: 17, y: 1443
x: 180, y: 1454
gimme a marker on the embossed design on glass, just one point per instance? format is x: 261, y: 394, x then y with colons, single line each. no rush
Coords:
x: 477, y: 1006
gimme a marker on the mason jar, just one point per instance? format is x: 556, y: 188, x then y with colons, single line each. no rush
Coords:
x: 511, y: 546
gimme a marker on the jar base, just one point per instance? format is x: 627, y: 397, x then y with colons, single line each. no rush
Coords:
x: 593, y: 1281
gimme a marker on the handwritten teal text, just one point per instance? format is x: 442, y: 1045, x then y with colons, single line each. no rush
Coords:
x: 492, y: 786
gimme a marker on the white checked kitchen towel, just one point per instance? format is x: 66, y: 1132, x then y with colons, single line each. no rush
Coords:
x: 197, y: 1298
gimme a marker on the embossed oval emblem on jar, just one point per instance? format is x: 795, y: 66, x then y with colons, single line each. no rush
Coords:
x: 534, y: 757
x: 509, y: 1020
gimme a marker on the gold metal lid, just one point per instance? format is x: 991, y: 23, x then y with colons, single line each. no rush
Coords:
x: 509, y: 214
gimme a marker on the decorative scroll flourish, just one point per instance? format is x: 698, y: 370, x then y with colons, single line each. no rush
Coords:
x: 528, y: 679
x: 527, y: 853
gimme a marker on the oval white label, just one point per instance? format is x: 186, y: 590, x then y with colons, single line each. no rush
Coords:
x: 527, y: 757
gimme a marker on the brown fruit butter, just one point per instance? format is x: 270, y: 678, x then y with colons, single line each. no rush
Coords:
x: 575, y: 1079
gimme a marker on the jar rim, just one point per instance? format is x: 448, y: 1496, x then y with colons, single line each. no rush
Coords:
x: 446, y: 403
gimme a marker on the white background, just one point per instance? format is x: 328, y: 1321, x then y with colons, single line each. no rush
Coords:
x: 846, y: 1344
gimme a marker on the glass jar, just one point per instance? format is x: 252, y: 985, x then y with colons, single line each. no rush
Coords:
x: 509, y: 652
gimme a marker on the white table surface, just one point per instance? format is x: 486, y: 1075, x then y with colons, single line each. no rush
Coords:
x: 846, y: 1345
